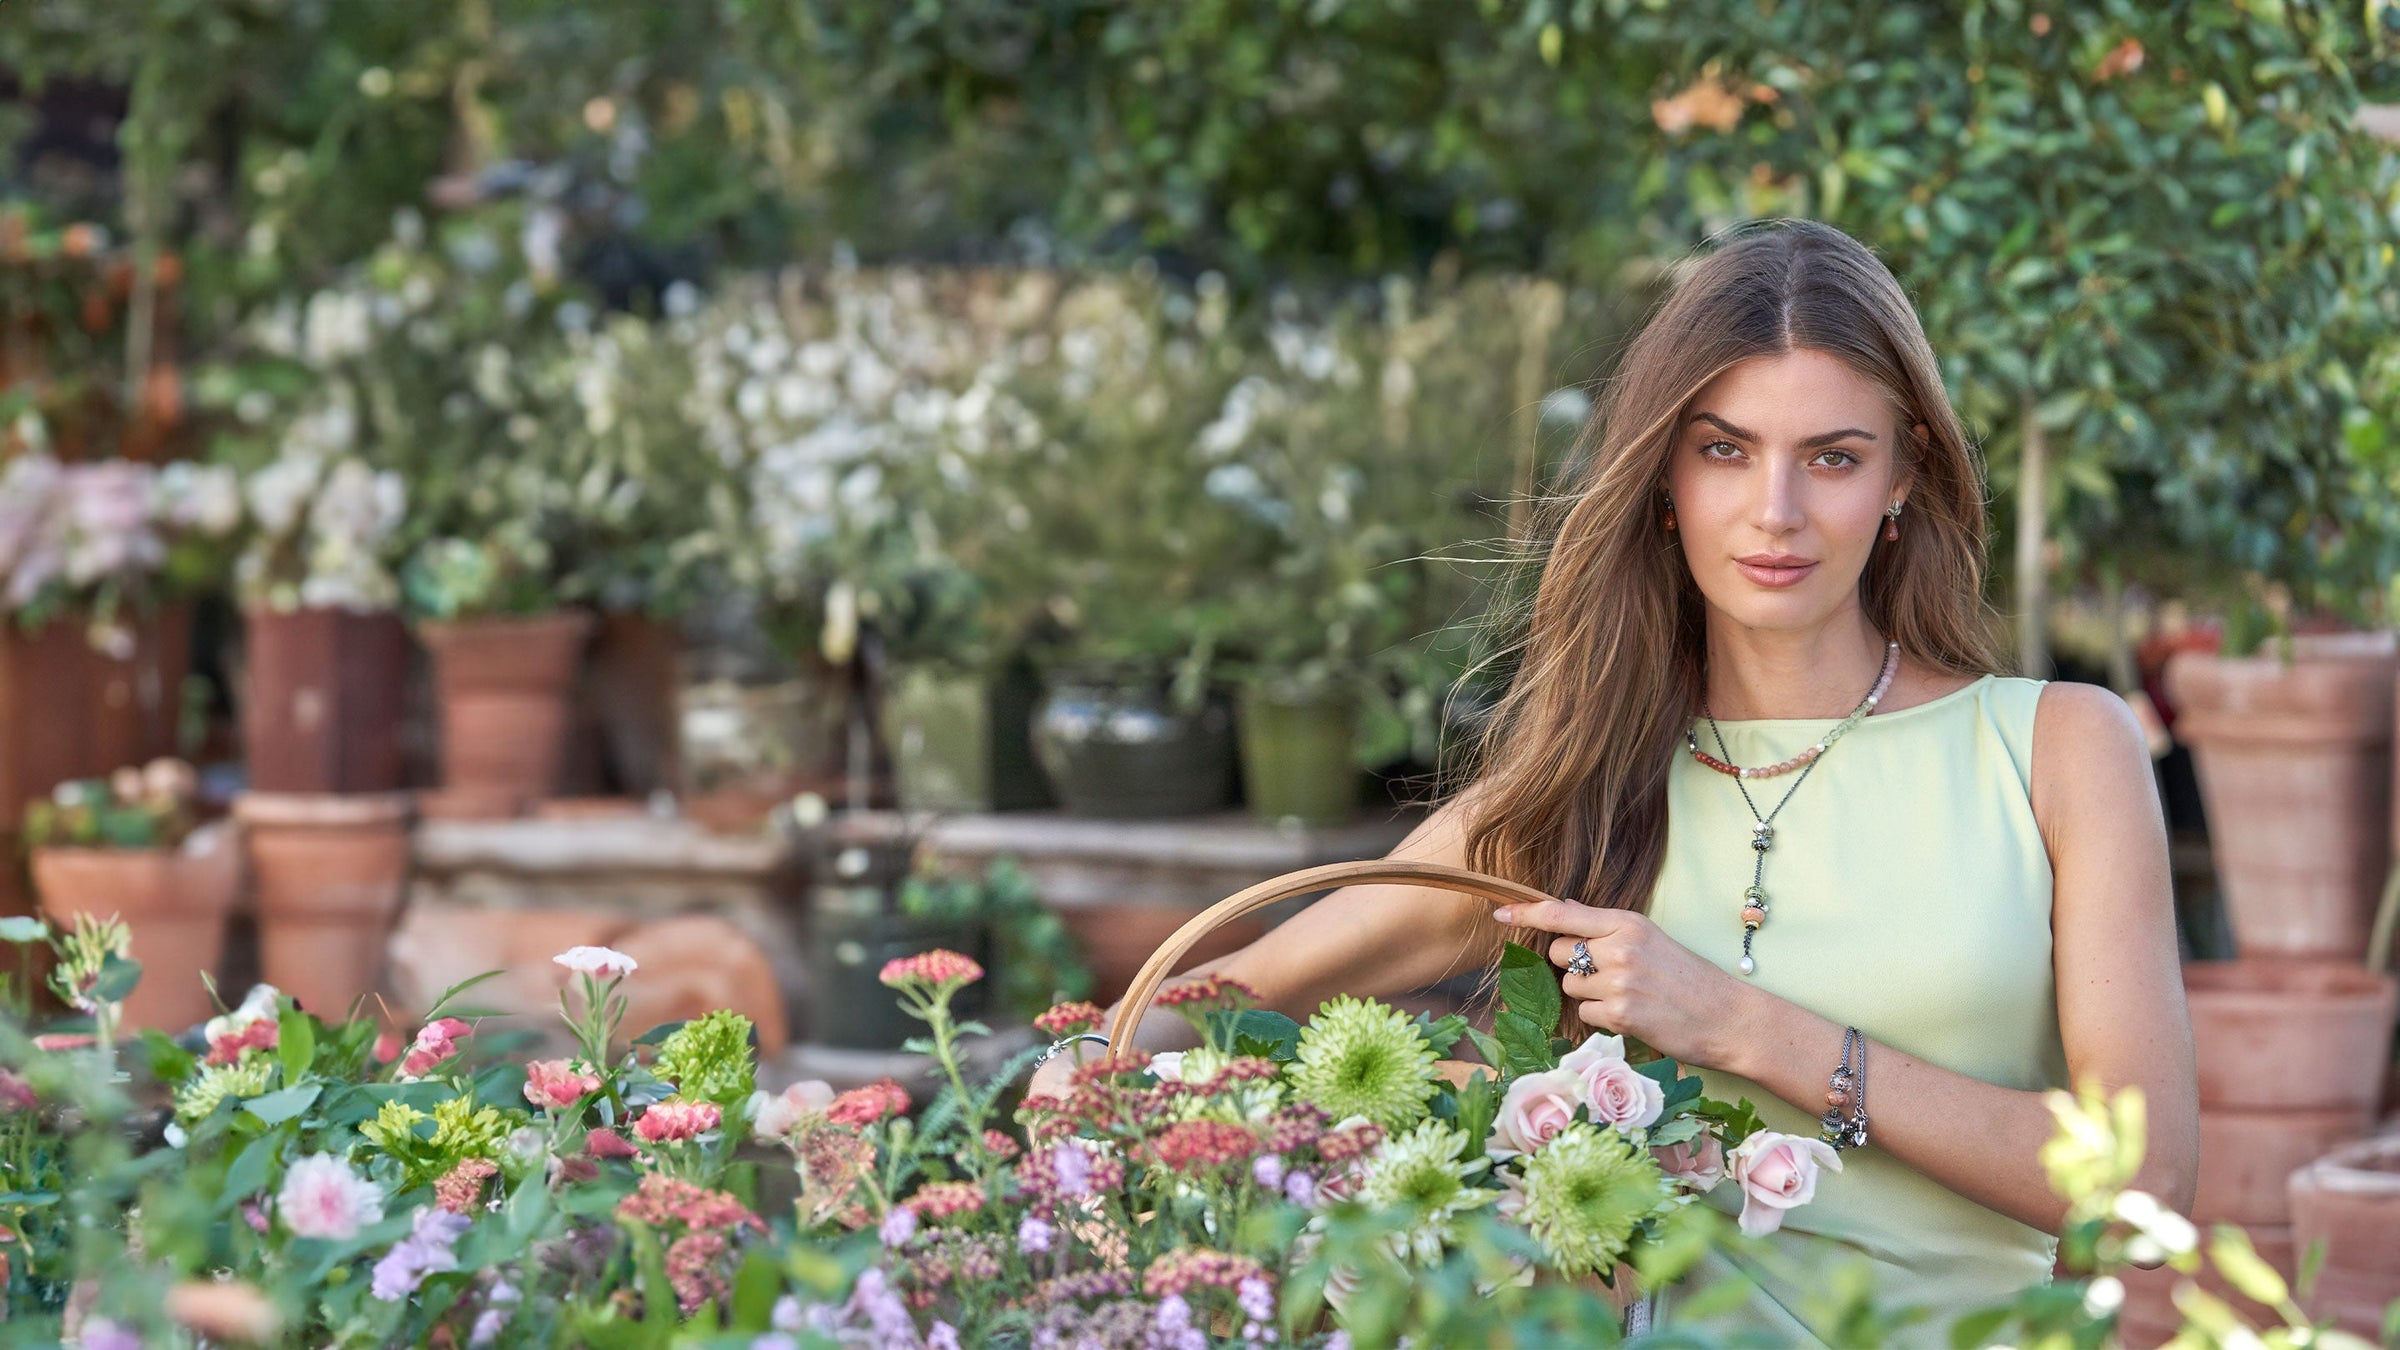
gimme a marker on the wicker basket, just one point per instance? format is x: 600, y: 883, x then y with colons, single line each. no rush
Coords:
x: 1636, y: 1311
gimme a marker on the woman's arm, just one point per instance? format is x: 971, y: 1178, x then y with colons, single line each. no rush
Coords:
x: 2120, y: 990
x: 1370, y: 941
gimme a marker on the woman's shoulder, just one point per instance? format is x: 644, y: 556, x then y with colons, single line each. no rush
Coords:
x: 2087, y: 747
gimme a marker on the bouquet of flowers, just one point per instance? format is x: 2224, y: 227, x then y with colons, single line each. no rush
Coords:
x: 99, y: 538
x: 323, y: 523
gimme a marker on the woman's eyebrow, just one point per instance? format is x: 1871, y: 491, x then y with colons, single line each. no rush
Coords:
x: 1811, y: 443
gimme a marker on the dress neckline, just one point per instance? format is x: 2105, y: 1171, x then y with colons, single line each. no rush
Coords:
x: 1893, y: 716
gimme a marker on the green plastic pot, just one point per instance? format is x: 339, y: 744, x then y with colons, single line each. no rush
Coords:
x: 1297, y: 757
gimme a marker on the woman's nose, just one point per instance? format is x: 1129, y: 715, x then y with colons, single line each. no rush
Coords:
x: 1778, y: 508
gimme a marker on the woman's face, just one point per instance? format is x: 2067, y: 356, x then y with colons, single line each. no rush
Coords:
x: 1780, y: 474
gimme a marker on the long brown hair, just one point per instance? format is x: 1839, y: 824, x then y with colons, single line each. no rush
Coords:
x: 1568, y: 783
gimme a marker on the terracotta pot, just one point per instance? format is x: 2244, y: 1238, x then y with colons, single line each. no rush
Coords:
x: 2290, y: 1035
x: 2295, y: 767
x: 2247, y: 1157
x: 506, y: 687
x: 2350, y: 1201
x: 694, y: 964
x: 2150, y: 1317
x: 625, y: 739
x: 330, y: 872
x: 174, y: 903
x: 324, y: 692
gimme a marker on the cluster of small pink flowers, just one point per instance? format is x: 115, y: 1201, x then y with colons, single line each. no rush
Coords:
x: 1296, y: 1126
x: 937, y: 968
x: 947, y: 1256
x: 557, y: 1084
x: 675, y: 1121
x: 1064, y: 1172
x: 435, y: 1045
x: 1000, y: 1146
x: 1068, y: 1019
x: 694, y: 1268
x: 944, y: 1199
x: 1350, y: 1141
x: 1215, y: 991
x: 863, y: 1106
x: 460, y: 1190
x: 1198, y: 1144
x: 1084, y: 1286
x: 1188, y: 1268
x: 607, y: 1143
x: 661, y: 1200
x: 256, y: 1034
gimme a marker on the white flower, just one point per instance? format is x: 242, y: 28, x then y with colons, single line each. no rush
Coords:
x: 601, y: 963
x: 323, y: 1198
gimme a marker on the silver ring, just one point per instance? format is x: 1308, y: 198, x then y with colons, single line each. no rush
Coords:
x: 1582, y: 964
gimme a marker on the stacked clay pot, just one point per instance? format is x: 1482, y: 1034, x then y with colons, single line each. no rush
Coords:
x: 2349, y: 1200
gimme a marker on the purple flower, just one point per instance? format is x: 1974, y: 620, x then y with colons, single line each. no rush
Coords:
x: 898, y: 1227
x: 425, y: 1250
x: 1034, y: 1236
x: 1267, y: 1170
x: 1074, y: 1170
x: 494, y: 1316
x: 1301, y: 1189
x: 102, y: 1334
x: 1257, y: 1299
x: 943, y: 1336
x: 1172, y: 1329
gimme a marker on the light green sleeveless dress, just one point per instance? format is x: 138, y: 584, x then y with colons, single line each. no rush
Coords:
x: 1910, y: 894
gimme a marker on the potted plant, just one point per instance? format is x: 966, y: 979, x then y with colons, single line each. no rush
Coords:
x: 326, y: 661
x: 2293, y: 744
x: 94, y: 650
x: 130, y: 847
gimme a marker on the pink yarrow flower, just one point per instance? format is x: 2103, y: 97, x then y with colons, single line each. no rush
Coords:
x: 672, y: 1122
x: 558, y: 1083
x: 1777, y: 1172
x: 939, y: 968
x: 601, y: 963
x: 434, y: 1045
x: 323, y: 1198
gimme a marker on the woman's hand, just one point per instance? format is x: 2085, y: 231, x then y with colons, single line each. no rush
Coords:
x: 1643, y: 983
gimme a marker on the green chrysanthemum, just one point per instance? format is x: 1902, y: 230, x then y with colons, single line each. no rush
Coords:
x: 1365, y: 1059
x: 1585, y: 1191
x: 1422, y: 1175
x: 709, y: 1059
x: 246, y: 1077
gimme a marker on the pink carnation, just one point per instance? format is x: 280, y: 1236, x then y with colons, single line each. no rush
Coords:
x: 601, y: 963
x: 557, y: 1084
x: 434, y: 1045
x: 323, y: 1198
x: 937, y: 967
x: 669, y: 1122
x: 256, y: 1034
x: 604, y: 1143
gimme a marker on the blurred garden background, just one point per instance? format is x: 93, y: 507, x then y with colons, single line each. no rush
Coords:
x: 772, y: 485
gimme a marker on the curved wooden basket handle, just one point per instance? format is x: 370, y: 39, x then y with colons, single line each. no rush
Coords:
x: 1440, y: 876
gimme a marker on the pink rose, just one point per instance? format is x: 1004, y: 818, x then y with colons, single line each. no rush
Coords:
x: 1697, y: 1163
x: 558, y: 1084
x: 1617, y: 1093
x: 1777, y: 1172
x: 1537, y: 1107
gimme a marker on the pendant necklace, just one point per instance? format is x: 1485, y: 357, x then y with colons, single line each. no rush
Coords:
x: 1762, y: 834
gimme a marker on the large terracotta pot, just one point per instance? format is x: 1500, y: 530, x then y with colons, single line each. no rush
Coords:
x: 324, y: 692
x: 2247, y: 1157
x: 2290, y: 1035
x: 330, y: 873
x: 2295, y: 767
x: 2350, y: 1201
x: 174, y: 902
x: 506, y: 686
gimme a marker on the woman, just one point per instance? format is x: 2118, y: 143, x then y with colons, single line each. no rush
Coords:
x: 1778, y: 545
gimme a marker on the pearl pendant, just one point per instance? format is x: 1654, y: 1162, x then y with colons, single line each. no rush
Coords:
x: 1748, y: 965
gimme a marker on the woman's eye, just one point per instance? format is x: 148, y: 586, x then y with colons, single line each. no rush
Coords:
x: 1842, y: 458
x: 1709, y: 451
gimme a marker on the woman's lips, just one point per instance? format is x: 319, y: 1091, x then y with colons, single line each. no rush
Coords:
x: 1777, y: 577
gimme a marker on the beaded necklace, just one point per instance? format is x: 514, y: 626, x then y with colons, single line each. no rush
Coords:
x: 1762, y: 834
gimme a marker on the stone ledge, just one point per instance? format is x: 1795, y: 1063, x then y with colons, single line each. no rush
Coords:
x: 637, y: 844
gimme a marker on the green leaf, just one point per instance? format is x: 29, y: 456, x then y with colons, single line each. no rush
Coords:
x: 2244, y: 1269
x: 248, y: 1174
x: 277, y: 1107
x: 1529, y: 985
x: 1524, y: 1046
x: 1976, y: 1328
x: 1442, y: 1033
x: 21, y: 928
x: 659, y: 1033
x: 441, y: 1005
x: 296, y: 1043
x: 1487, y: 1047
x: 117, y: 978
x: 1256, y: 1032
